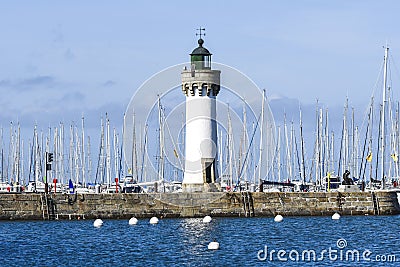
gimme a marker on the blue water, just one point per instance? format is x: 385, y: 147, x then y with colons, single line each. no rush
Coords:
x: 183, y: 242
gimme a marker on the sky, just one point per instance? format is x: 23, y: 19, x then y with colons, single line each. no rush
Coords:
x: 61, y: 60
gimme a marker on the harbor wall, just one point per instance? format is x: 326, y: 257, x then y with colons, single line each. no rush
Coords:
x: 26, y: 206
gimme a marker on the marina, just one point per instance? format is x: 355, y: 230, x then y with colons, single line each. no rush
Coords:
x: 251, y: 154
x: 199, y: 133
x: 266, y: 176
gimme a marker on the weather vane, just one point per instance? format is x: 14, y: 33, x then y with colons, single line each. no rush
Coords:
x: 200, y: 29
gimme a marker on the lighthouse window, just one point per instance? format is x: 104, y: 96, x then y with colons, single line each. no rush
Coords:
x: 207, y: 62
x: 197, y: 61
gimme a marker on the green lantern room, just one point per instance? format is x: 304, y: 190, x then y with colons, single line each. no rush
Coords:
x: 200, y: 57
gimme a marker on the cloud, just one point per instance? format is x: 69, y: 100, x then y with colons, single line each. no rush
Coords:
x: 26, y: 84
x: 38, y: 80
x: 109, y: 83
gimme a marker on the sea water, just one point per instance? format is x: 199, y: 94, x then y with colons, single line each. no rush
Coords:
x: 296, y: 241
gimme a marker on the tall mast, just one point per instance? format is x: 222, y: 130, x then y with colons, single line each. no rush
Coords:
x: 36, y: 155
x: 161, y: 141
x: 83, y: 153
x: 22, y: 174
x: 61, y: 154
x: 261, y: 142
x: 2, y: 155
x: 303, y: 166
x: 278, y: 152
x: 135, y: 170
x: 108, y: 151
x: 143, y: 177
x: 71, y: 152
x: 18, y: 155
x: 230, y: 149
x: 288, y: 152
x: 10, y: 155
x: 383, y: 139
x: 89, y: 172
x: 77, y: 151
x: 116, y: 154
x: 55, y: 151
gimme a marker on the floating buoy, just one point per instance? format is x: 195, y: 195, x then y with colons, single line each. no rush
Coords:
x: 336, y: 216
x: 213, y: 245
x: 207, y: 219
x: 154, y: 220
x: 133, y: 221
x: 278, y: 218
x: 98, y: 223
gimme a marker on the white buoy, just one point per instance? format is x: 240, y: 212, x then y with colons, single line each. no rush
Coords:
x: 213, y: 245
x: 278, y: 218
x: 133, y: 221
x: 98, y: 223
x: 207, y: 219
x: 336, y: 216
x: 154, y: 220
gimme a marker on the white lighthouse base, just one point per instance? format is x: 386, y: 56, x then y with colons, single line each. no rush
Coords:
x: 206, y: 187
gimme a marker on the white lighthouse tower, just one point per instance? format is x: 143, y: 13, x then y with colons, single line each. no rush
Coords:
x: 201, y: 86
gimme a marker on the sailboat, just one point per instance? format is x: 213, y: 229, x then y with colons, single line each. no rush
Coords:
x: 387, y: 180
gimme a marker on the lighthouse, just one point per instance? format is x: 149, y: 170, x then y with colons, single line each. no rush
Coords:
x: 200, y: 85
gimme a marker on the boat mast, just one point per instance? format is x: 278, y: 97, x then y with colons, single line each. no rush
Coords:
x: 83, y: 153
x: 135, y: 169
x: 77, y: 152
x: 383, y: 139
x: 55, y: 148
x: 261, y: 142
x: 22, y: 178
x: 303, y: 166
x: 36, y: 155
x: 230, y: 150
x: 161, y: 141
x: 61, y: 154
x: 143, y: 177
x: 396, y: 145
x: 116, y: 154
x: 89, y: 159
x: 71, y: 152
x: 288, y: 152
x: 108, y: 152
x: 278, y: 153
x: 2, y: 155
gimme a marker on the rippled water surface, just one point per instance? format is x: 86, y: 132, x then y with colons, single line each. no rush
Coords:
x: 183, y: 242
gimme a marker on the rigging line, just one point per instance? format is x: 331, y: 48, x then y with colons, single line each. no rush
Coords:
x: 144, y: 152
x: 378, y: 79
x: 248, y: 149
x: 392, y: 61
x: 363, y: 159
x: 372, y: 95
x: 379, y: 145
x: 172, y: 140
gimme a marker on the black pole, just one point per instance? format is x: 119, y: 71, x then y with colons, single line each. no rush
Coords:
x: 46, y: 185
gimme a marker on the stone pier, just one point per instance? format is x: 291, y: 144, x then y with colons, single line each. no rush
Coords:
x: 25, y: 206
